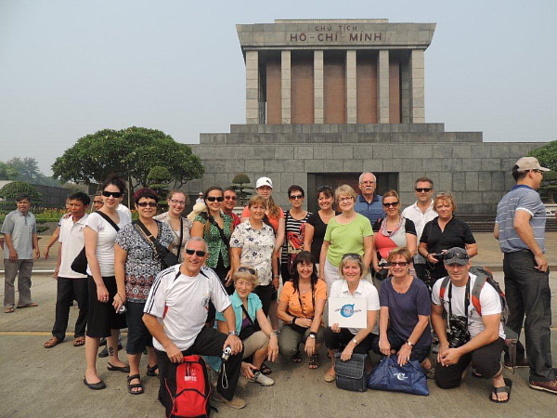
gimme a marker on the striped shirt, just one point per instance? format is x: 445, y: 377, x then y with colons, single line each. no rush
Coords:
x: 520, y: 197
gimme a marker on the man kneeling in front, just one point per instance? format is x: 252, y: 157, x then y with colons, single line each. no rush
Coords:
x: 465, y: 336
x: 175, y: 315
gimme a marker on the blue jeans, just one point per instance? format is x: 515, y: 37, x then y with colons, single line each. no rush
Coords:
x: 528, y: 295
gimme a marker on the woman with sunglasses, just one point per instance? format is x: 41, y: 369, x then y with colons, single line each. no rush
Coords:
x: 404, y: 314
x: 102, y: 319
x: 215, y: 227
x: 295, y: 223
x: 392, y: 231
x: 317, y: 222
x: 352, y: 285
x: 442, y: 233
x: 136, y: 264
x: 300, y: 306
x: 255, y: 330
x: 346, y: 233
x: 180, y: 226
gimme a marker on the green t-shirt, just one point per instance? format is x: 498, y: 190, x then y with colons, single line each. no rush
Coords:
x: 349, y: 238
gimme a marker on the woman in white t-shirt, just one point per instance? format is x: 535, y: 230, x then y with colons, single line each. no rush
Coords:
x: 102, y: 318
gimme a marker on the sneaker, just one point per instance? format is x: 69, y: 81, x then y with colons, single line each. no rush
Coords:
x: 547, y: 386
x: 520, y: 364
x: 262, y: 379
x: 236, y: 402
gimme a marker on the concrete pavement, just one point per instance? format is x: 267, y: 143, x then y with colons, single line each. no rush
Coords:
x: 48, y: 382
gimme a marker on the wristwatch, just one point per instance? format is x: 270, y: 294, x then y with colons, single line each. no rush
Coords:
x: 355, y: 341
x: 410, y: 344
x: 233, y: 333
x: 313, y: 335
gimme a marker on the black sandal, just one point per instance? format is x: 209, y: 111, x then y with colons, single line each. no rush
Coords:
x: 314, y: 362
x: 265, y: 369
x: 135, y: 385
x: 297, y: 357
x: 152, y: 371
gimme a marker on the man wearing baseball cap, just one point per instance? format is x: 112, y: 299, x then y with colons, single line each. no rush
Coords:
x: 520, y: 229
x: 466, y: 336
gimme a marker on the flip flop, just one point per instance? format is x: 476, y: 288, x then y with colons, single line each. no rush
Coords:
x: 505, y: 389
x: 52, y: 342
x: 29, y: 305
x: 314, y: 362
x: 79, y: 341
x: 8, y: 310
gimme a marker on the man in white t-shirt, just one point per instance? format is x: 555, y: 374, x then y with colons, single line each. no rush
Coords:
x: 70, y: 284
x: 421, y: 212
x: 473, y: 338
x: 176, y: 313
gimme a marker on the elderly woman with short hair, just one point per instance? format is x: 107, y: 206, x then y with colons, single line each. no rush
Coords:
x: 261, y: 344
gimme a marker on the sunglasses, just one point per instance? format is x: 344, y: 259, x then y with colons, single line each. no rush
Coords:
x: 392, y: 204
x: 199, y: 253
x: 353, y: 256
x: 423, y: 189
x: 398, y: 263
x: 230, y: 197
x: 116, y: 195
x: 296, y: 197
x: 178, y: 202
x: 459, y: 256
x: 213, y: 198
x: 145, y: 204
x: 248, y: 269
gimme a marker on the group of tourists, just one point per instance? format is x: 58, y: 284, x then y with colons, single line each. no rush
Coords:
x: 185, y: 287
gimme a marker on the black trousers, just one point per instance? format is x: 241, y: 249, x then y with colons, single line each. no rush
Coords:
x: 209, y: 342
x: 68, y: 290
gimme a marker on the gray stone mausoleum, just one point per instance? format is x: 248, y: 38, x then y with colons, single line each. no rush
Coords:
x: 329, y: 99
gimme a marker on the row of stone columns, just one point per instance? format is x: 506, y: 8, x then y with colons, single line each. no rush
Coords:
x: 412, y: 92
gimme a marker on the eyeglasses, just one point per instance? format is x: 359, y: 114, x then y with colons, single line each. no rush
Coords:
x: 248, y: 269
x: 296, y: 197
x: 178, y: 202
x: 423, y: 189
x: 537, y: 171
x: 345, y: 199
x: 145, y: 204
x: 116, y: 195
x: 199, y: 253
x: 398, y: 263
x: 213, y: 198
x: 391, y: 204
x: 230, y: 197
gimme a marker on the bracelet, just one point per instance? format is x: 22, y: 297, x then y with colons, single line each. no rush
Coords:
x: 293, y: 322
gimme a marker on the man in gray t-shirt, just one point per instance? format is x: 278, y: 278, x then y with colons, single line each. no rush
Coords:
x: 520, y: 229
x: 21, y: 245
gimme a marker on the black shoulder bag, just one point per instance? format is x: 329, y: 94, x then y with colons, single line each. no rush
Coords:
x: 165, y: 256
x: 251, y: 329
x: 79, y: 264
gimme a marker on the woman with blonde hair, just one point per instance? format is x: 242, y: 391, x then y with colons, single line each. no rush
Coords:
x: 180, y: 225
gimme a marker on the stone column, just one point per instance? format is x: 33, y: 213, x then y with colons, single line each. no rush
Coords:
x: 351, y: 88
x: 319, y: 106
x: 405, y: 90
x: 252, y: 87
x: 417, y: 100
x: 383, y: 87
x: 286, y: 83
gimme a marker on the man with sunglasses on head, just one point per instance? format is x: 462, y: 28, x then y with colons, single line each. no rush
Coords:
x: 228, y: 205
x: 468, y: 336
x: 520, y: 229
x: 369, y: 203
x: 176, y: 313
x: 421, y: 212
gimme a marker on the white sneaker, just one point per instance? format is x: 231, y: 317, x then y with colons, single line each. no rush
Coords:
x: 262, y: 379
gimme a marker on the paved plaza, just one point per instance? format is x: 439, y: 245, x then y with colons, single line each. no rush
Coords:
x: 48, y: 382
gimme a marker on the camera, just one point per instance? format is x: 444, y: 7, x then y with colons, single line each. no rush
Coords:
x: 226, y: 353
x: 440, y: 256
x: 458, y: 332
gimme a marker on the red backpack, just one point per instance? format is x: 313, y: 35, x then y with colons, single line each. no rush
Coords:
x: 189, y: 389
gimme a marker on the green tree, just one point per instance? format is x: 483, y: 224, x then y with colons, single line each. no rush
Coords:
x: 7, y: 172
x: 159, y: 179
x: 240, y: 183
x: 547, y: 156
x: 130, y: 153
x: 11, y: 190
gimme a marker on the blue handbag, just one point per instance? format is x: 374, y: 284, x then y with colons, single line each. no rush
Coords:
x: 388, y: 375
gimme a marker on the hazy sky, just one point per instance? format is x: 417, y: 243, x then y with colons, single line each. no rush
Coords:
x: 70, y: 68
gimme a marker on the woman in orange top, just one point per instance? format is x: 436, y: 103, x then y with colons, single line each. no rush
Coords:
x: 301, y: 305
